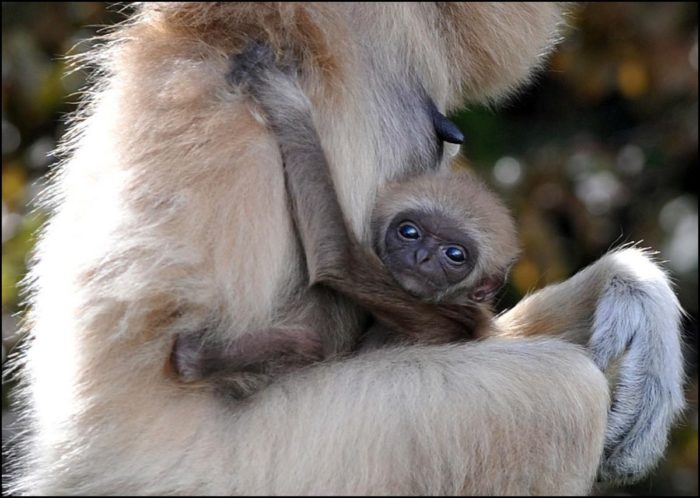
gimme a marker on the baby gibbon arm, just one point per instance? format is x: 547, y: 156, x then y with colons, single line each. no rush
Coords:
x: 622, y: 308
x: 334, y: 256
x: 314, y: 206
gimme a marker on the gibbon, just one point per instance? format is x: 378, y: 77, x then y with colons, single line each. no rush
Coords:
x: 170, y: 214
x: 443, y: 246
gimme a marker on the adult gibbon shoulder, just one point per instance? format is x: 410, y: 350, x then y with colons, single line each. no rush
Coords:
x: 170, y: 215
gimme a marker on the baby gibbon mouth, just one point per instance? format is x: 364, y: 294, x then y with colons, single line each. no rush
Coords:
x: 416, y: 285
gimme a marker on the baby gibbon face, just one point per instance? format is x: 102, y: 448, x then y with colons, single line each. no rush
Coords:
x: 428, y: 253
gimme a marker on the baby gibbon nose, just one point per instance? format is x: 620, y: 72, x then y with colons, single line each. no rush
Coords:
x: 422, y: 255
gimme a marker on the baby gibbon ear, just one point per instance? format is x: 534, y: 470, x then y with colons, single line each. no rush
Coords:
x: 486, y: 289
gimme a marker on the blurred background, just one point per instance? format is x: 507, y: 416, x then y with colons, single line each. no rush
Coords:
x: 601, y: 150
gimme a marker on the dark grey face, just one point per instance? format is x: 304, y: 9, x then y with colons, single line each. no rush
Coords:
x: 427, y: 253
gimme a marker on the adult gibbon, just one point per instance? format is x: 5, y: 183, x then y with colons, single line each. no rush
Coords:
x: 170, y: 215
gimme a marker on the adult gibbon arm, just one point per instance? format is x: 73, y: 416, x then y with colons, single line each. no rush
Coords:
x: 623, y: 310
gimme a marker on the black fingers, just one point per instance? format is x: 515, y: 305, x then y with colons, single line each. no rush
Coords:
x: 249, y: 66
x: 186, y: 357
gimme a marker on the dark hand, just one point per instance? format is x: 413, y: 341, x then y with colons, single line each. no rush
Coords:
x: 186, y: 357
x: 251, y: 68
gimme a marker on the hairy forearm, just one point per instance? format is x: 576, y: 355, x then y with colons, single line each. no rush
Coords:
x: 315, y: 208
x: 314, y: 202
x: 449, y: 410
x: 622, y: 308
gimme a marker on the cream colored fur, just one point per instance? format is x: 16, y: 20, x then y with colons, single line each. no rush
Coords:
x: 171, y: 216
x: 629, y: 319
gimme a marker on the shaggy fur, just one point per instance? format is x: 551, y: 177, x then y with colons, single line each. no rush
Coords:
x: 170, y: 215
x: 630, y: 322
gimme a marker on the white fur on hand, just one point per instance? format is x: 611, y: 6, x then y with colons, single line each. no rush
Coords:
x: 637, y: 320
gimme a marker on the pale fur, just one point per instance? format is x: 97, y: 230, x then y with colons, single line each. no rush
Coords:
x: 170, y: 215
x: 630, y: 320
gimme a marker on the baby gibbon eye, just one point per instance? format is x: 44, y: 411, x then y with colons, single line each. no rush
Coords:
x: 409, y: 231
x: 455, y: 254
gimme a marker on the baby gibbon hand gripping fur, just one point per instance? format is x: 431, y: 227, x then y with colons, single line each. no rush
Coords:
x: 444, y: 243
x: 170, y: 215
